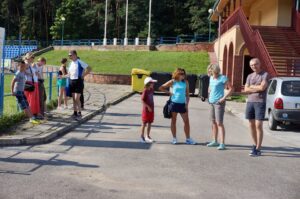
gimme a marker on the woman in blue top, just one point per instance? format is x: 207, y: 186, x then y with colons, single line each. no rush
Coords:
x: 217, y: 101
x: 179, y: 102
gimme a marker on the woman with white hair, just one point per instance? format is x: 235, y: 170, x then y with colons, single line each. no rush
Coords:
x: 217, y: 100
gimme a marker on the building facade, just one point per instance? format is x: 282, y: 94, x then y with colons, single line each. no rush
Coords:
x: 266, y: 29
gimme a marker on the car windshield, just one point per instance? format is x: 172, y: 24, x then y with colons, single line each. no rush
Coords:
x: 291, y: 88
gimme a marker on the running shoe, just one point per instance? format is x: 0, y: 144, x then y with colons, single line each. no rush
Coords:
x: 174, y: 141
x: 213, y: 144
x: 34, y: 121
x: 221, y: 147
x: 148, y: 139
x: 253, y: 151
x: 190, y: 141
x: 142, y: 140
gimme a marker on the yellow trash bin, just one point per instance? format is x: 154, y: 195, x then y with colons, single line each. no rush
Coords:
x: 137, y: 79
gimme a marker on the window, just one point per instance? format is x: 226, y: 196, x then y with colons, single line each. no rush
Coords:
x: 272, y: 88
x: 291, y: 88
x: 297, y: 5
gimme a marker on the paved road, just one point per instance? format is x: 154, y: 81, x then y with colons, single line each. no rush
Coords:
x: 103, y: 159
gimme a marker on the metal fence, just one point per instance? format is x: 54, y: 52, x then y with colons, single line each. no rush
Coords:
x: 9, y: 102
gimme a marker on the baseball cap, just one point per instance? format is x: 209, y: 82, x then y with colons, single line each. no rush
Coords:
x: 149, y: 80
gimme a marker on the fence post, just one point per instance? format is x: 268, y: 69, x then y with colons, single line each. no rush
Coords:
x: 50, y: 86
x: 1, y: 93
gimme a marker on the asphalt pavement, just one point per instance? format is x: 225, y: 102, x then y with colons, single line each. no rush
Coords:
x: 103, y: 158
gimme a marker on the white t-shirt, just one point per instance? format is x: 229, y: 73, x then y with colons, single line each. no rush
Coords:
x: 75, y: 71
x: 39, y: 69
x: 32, y: 71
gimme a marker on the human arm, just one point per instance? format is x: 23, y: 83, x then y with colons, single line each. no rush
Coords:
x: 143, y: 98
x: 257, y: 88
x: 230, y: 91
x: 165, y: 86
x: 87, y: 71
x: 12, y: 86
x: 187, y: 92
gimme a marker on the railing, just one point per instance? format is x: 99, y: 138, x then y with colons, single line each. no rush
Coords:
x: 21, y: 42
x: 9, y: 101
x: 252, y: 38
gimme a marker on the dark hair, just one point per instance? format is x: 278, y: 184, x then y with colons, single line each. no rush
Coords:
x: 63, y: 60
x: 73, y: 52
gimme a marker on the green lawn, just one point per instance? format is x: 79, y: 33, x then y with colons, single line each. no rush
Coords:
x: 117, y: 62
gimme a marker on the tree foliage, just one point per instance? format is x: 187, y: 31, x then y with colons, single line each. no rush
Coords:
x: 41, y: 19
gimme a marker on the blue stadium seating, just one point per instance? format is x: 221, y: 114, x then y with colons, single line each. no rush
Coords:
x: 12, y: 51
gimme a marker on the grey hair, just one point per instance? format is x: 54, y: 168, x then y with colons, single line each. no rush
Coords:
x: 255, y: 59
x: 213, y: 68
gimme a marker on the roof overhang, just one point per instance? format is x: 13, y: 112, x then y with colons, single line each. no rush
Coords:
x: 217, y: 8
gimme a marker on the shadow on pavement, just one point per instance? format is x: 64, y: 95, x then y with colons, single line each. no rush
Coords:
x: 53, y: 161
x: 106, y: 144
x: 293, y: 152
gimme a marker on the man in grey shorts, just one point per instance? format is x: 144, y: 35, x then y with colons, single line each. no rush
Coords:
x: 256, y: 86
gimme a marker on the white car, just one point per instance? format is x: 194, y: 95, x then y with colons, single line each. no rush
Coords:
x: 283, y: 101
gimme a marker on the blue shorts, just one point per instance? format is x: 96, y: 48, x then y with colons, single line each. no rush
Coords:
x: 255, y: 110
x: 22, y: 100
x: 177, y: 107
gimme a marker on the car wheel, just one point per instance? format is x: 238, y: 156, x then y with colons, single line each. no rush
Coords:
x: 272, y: 122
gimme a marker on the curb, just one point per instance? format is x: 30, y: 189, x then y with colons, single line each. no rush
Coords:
x: 51, y: 136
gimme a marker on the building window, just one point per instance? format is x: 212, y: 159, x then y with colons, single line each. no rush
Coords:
x: 298, y: 5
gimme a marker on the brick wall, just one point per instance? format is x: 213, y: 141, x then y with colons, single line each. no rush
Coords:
x: 108, y: 79
x: 193, y: 47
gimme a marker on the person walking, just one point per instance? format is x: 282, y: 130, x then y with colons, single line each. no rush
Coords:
x: 148, y: 109
x: 77, y: 71
x: 217, y: 101
x: 256, y: 86
x: 42, y: 91
x: 179, y: 102
x: 17, y: 90
x: 61, y: 83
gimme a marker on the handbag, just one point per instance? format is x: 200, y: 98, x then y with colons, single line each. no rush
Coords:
x: 29, y: 86
x: 167, y: 109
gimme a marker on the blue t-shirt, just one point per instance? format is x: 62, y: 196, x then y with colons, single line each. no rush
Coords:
x: 217, y: 87
x: 179, y: 92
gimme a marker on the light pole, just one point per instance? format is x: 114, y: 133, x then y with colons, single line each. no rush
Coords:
x: 63, y: 19
x: 126, y: 24
x: 210, y: 11
x: 149, y: 25
x: 105, y: 25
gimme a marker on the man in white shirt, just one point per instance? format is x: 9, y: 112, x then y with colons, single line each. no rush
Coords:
x: 77, y: 71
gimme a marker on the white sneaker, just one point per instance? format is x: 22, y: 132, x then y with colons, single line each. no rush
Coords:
x: 148, y: 140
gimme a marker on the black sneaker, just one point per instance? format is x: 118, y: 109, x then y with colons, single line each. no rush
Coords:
x: 258, y: 152
x: 253, y: 151
x: 74, y: 116
x: 79, y: 117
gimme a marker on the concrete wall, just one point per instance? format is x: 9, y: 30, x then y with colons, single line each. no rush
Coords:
x: 271, y: 13
x: 208, y: 47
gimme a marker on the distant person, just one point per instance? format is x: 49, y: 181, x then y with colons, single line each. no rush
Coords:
x: 77, y: 71
x: 42, y: 91
x: 32, y: 78
x: 256, y: 86
x: 179, y: 102
x: 148, y: 109
x: 217, y: 100
x: 61, y: 83
x: 17, y: 90
x: 82, y: 95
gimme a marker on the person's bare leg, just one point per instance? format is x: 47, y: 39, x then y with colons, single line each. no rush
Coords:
x: 173, y: 124
x: 253, y: 131
x: 222, y: 133
x: 65, y: 98
x: 78, y: 103
x: 259, y: 133
x: 74, y: 101
x: 215, y: 130
x: 186, y: 122
x: 28, y: 113
x: 59, y: 97
x: 148, y: 130
x: 143, y: 130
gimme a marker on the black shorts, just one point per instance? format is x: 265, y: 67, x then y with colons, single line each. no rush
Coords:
x: 255, y: 111
x: 76, y: 86
x: 177, y: 107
